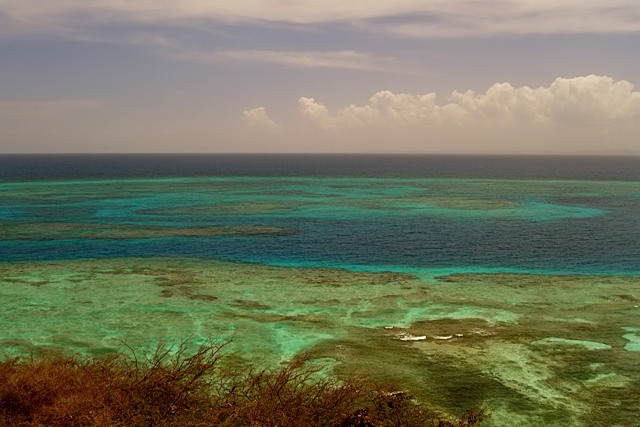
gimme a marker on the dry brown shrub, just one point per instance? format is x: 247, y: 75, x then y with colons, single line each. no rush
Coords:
x: 181, y: 386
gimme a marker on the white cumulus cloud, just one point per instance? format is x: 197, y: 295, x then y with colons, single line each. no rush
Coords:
x: 571, y: 102
x: 258, y: 118
x: 592, y: 98
x: 581, y: 115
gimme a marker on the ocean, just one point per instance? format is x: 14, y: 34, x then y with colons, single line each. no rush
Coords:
x: 502, y: 281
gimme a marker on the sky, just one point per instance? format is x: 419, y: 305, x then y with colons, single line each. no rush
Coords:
x: 331, y: 76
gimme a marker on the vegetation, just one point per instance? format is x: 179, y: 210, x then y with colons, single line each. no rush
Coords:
x: 178, y: 387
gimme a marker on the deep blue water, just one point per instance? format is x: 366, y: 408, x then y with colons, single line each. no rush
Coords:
x: 74, y: 166
x: 561, y: 214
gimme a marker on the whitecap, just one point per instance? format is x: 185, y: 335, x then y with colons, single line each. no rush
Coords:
x: 409, y: 337
x: 442, y: 337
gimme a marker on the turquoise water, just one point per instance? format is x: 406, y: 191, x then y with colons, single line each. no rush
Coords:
x: 529, y: 226
x: 522, y: 296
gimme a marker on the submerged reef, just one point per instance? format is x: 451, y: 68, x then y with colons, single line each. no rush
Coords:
x: 18, y: 230
x: 531, y: 349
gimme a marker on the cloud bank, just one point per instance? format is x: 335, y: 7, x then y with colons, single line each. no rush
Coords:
x: 571, y: 102
x: 582, y: 114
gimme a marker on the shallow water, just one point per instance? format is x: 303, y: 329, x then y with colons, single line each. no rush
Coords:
x: 540, y: 347
x: 519, y: 295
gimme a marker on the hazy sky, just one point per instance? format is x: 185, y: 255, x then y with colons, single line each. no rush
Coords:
x: 433, y: 76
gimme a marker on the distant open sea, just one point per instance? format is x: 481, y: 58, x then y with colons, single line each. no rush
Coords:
x: 83, y: 166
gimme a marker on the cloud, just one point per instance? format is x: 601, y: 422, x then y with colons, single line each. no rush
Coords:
x: 258, y: 118
x: 344, y: 59
x: 582, y: 115
x: 592, y: 99
x: 569, y: 102
x: 383, y: 107
x: 495, y: 17
x: 415, y: 18
x: 310, y: 34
